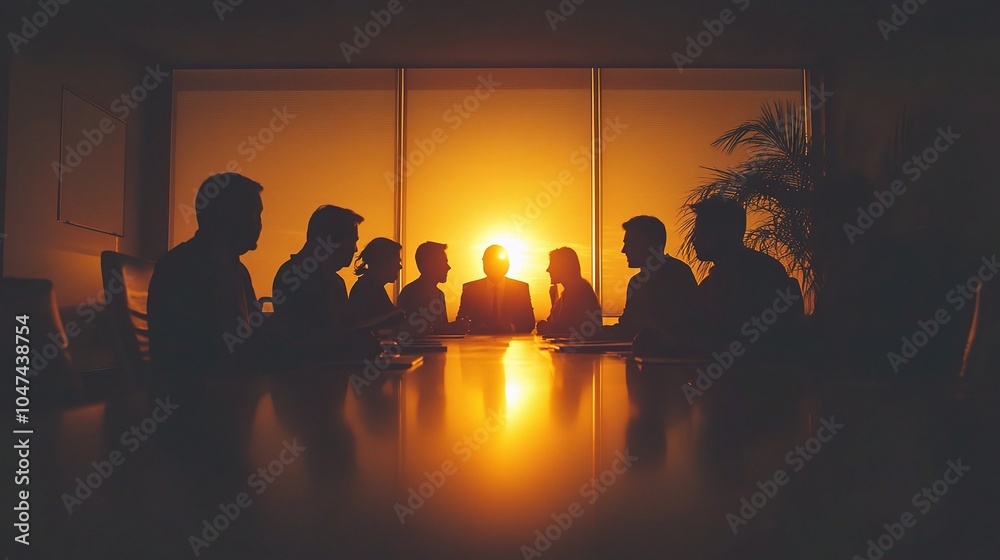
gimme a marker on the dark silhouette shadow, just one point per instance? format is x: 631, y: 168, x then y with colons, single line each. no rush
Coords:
x: 567, y: 387
x: 660, y: 294
x: 377, y: 265
x: 208, y: 429
x: 577, y: 306
x: 379, y: 406
x: 485, y: 371
x: 646, y: 432
x: 422, y: 301
x: 747, y: 295
x: 431, y: 396
x: 312, y: 315
x: 310, y: 403
x: 200, y: 293
x: 497, y: 304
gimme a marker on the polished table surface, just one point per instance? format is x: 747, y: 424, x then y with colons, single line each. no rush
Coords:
x: 501, y: 448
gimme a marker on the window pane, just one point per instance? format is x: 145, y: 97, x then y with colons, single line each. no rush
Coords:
x: 661, y: 145
x: 309, y: 137
x: 498, y: 156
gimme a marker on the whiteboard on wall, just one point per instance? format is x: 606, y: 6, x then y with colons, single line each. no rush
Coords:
x: 91, y: 167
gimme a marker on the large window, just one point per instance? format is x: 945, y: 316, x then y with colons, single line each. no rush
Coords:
x: 533, y: 159
x: 489, y: 160
x: 309, y: 137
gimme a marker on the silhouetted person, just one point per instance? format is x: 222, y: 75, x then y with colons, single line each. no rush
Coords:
x: 742, y: 283
x: 422, y: 301
x: 497, y: 304
x: 310, y: 298
x: 200, y: 291
x: 577, y: 305
x: 377, y: 264
x: 660, y: 295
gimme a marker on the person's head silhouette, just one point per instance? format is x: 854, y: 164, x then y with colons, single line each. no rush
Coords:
x: 379, y: 260
x: 432, y: 261
x: 564, y: 265
x: 228, y: 208
x: 495, y: 262
x: 719, y: 225
x: 645, y: 236
x: 334, y: 230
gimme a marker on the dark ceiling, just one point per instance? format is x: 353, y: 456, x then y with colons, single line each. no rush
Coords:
x: 309, y: 34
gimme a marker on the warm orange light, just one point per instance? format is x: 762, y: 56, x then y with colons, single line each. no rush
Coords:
x: 516, y: 251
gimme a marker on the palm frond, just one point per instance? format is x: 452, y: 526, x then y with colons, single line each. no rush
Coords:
x: 776, y: 185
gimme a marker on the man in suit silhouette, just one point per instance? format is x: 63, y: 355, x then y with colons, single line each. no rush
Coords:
x: 497, y: 304
x: 200, y: 291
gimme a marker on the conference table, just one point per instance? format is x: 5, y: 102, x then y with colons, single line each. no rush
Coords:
x: 501, y: 447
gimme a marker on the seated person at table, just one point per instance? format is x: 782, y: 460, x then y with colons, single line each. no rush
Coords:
x: 578, y: 303
x: 660, y: 294
x: 742, y: 283
x: 422, y: 301
x: 310, y: 298
x: 377, y: 264
x: 200, y: 291
x: 497, y: 304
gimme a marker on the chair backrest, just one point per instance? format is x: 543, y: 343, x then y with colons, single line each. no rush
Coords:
x: 50, y: 363
x: 126, y: 280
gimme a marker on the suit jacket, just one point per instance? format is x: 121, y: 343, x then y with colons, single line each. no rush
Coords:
x: 477, y: 305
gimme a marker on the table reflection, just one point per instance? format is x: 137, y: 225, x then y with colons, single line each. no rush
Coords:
x: 497, y: 448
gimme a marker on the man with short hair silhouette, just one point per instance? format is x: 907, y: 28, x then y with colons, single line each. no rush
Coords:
x: 422, y: 301
x: 742, y: 283
x: 310, y: 298
x: 659, y: 295
x: 312, y: 294
x: 497, y: 304
x: 577, y: 305
x: 200, y: 291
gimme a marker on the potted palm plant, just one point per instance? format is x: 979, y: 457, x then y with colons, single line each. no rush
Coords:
x: 776, y: 186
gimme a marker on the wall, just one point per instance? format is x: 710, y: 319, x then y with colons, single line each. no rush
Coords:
x: 36, y: 244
